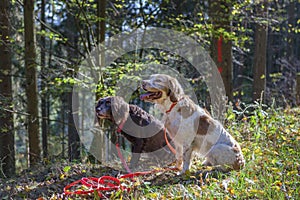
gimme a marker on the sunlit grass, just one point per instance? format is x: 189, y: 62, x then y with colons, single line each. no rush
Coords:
x: 270, y: 141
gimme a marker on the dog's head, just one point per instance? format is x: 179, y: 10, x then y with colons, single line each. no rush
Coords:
x: 112, y: 108
x: 161, y: 87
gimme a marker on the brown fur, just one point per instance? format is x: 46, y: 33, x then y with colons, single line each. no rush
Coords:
x: 203, y: 124
x: 125, y: 115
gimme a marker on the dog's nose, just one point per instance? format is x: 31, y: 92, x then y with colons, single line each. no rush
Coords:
x: 144, y: 84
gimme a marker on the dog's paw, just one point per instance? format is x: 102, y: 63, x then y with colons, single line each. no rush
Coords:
x: 179, y: 164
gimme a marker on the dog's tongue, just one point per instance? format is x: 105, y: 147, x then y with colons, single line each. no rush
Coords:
x: 145, y: 96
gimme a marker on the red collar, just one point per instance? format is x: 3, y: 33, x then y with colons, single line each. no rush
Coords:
x: 172, y: 106
x: 120, y: 127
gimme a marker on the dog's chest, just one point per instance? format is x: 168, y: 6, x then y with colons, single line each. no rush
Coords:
x: 180, y: 128
x: 173, y: 122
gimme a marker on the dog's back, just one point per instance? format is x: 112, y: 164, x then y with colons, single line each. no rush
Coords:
x: 152, y: 132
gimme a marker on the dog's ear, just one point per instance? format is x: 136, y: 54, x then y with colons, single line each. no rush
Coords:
x: 175, y: 90
x: 172, y: 96
x: 119, y: 109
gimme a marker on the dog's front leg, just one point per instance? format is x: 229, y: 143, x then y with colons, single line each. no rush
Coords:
x: 178, y: 156
x: 134, y: 159
x: 136, y: 152
x: 187, y: 154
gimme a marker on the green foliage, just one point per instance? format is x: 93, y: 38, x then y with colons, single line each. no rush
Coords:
x: 113, y: 75
x: 52, y: 36
x: 67, y: 169
x: 270, y: 142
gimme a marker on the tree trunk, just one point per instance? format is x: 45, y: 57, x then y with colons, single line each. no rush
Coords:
x: 7, y: 139
x: 101, y: 7
x: 260, y: 57
x: 44, y: 96
x: 73, y: 136
x: 100, y: 31
x: 31, y: 83
x: 291, y: 35
x: 221, y: 47
x: 290, y: 52
x: 298, y: 89
x: 99, y: 137
x: 64, y: 119
x: 72, y: 102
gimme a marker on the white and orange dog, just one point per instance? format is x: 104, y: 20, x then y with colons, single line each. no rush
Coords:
x: 191, y: 127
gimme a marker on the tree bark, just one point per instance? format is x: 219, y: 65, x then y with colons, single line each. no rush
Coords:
x: 31, y: 83
x: 73, y: 136
x: 101, y: 7
x: 100, y: 31
x: 298, y: 89
x: 72, y: 96
x: 7, y: 139
x: 95, y: 150
x: 44, y: 96
x: 291, y: 35
x: 290, y: 52
x: 221, y: 47
x: 260, y: 57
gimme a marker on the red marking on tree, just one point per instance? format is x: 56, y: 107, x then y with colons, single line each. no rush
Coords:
x: 220, y: 69
x: 220, y: 40
x: 219, y: 46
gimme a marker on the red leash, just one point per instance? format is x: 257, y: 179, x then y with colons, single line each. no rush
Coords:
x: 165, y: 131
x: 108, y: 183
x: 122, y: 159
x: 103, y: 184
x: 168, y: 143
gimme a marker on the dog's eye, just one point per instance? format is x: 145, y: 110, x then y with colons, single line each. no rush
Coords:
x: 107, y: 103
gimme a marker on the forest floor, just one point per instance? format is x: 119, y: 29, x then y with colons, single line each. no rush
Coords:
x: 270, y: 140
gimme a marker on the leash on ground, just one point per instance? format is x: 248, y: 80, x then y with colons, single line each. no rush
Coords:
x: 92, y: 185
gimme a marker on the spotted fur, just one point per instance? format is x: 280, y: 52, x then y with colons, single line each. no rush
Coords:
x: 191, y: 127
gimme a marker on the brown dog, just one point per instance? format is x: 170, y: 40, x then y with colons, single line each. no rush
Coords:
x: 146, y: 134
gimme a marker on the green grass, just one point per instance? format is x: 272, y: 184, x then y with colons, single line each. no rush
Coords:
x: 270, y: 142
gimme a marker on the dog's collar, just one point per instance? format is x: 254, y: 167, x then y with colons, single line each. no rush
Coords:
x: 171, y: 107
x: 120, y: 127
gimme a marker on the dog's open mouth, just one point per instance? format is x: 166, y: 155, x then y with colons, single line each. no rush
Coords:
x: 151, y: 95
x: 101, y: 115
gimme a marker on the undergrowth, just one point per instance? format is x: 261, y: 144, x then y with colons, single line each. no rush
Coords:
x: 269, y: 139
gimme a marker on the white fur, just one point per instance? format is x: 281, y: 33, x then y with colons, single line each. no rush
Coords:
x: 217, y: 146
